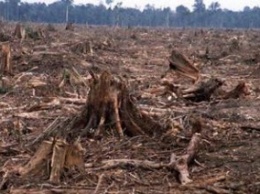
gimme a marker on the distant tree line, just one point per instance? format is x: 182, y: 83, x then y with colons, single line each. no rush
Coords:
x: 105, y: 14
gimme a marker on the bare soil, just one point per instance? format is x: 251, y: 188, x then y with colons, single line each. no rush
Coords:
x: 228, y: 160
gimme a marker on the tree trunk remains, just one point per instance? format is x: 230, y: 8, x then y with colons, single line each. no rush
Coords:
x: 109, y: 106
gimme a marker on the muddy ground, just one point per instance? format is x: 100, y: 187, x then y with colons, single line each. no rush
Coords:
x: 228, y: 160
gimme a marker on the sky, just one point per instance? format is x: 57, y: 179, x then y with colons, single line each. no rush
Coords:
x: 235, y: 5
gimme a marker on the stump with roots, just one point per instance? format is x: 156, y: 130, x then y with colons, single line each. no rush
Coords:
x: 109, y: 109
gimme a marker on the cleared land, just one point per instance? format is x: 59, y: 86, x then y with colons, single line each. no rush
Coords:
x: 50, y: 80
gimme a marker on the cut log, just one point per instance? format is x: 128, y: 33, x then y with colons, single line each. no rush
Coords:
x: 181, y: 64
x: 203, y: 91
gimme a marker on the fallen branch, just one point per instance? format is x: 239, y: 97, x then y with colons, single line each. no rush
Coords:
x: 100, y: 179
x: 180, y: 163
x: 203, y: 91
x: 177, y: 163
x: 250, y: 128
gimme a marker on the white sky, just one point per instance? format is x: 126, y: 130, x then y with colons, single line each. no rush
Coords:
x: 235, y: 5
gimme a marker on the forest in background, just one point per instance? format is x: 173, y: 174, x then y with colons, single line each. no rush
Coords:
x: 62, y: 11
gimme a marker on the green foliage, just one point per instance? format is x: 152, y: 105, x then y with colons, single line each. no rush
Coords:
x: 214, y: 6
x: 199, y: 6
x: 200, y: 16
x: 109, y: 2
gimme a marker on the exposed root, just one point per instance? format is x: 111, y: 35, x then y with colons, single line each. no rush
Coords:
x: 177, y: 163
x: 180, y: 163
x: 109, y: 106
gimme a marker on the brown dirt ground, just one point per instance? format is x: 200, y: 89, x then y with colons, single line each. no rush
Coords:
x: 229, y: 158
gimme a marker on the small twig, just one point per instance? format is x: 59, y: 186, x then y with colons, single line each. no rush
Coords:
x: 45, y: 132
x: 215, y: 190
x: 177, y: 163
x: 145, y: 164
x: 109, y: 187
x: 99, y: 184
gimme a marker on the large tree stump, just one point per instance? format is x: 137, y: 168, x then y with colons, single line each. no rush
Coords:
x: 109, y: 105
x: 109, y: 108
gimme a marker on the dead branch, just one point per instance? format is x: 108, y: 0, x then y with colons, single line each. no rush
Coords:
x: 123, y: 163
x: 216, y: 190
x: 250, y: 127
x: 203, y: 91
x: 177, y: 163
x: 180, y: 164
x: 100, y: 179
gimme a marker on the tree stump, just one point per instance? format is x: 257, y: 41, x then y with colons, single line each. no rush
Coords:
x: 69, y: 26
x: 19, y: 32
x: 5, y: 56
x: 182, y: 65
x: 241, y: 90
x: 109, y: 106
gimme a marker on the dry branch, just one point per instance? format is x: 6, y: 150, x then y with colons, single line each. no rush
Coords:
x: 180, y: 164
x: 177, y: 163
x: 203, y: 91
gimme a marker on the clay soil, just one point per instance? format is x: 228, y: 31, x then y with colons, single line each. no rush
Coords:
x: 228, y: 160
